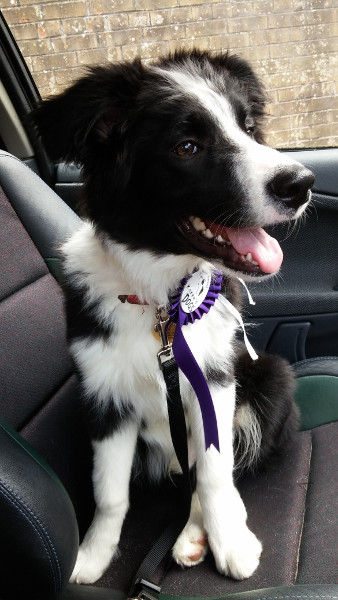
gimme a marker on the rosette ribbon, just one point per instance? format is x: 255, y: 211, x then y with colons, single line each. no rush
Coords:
x: 194, y: 299
x: 182, y: 353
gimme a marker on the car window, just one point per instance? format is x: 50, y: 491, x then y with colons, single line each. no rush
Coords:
x: 292, y: 45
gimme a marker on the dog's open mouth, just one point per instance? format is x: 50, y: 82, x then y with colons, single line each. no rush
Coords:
x: 248, y: 250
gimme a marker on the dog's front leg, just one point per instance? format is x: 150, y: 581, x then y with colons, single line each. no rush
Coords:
x: 191, y: 545
x: 113, y: 458
x: 235, y: 548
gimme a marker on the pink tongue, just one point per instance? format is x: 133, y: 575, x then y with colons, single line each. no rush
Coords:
x: 264, y: 249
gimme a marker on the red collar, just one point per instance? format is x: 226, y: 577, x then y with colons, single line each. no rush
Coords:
x: 132, y: 300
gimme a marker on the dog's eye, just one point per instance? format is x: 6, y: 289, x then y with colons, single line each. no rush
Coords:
x: 186, y: 149
x: 250, y: 126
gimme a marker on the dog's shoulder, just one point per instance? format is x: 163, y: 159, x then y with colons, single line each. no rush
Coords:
x: 85, y: 257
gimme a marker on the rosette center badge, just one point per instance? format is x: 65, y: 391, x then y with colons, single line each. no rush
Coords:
x: 195, y: 291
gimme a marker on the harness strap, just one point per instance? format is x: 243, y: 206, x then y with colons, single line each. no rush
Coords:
x: 143, y: 586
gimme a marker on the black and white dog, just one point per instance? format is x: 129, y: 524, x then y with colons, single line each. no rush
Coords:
x: 176, y: 179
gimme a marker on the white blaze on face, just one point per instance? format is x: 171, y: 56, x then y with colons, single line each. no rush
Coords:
x: 205, y: 93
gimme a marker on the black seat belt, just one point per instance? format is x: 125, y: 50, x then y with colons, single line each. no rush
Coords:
x: 143, y: 586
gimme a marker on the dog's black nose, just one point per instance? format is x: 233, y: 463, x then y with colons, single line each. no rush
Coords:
x: 291, y: 186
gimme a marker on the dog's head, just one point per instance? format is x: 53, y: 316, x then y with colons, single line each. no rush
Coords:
x: 174, y: 160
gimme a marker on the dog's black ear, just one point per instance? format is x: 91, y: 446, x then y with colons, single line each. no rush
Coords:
x: 89, y: 112
x: 241, y: 70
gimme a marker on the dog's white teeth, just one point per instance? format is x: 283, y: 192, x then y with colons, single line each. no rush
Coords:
x: 197, y: 223
x: 201, y: 227
x: 220, y: 240
x: 249, y: 258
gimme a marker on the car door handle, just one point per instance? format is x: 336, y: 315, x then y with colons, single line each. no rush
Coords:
x: 289, y: 340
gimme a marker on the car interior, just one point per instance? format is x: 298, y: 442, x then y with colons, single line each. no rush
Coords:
x: 46, y: 501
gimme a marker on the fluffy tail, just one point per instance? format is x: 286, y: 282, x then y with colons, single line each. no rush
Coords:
x: 266, y: 417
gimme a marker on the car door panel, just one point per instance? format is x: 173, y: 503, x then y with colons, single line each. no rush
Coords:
x: 68, y: 183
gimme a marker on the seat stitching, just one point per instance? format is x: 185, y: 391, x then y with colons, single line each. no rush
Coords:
x: 11, y: 295
x: 32, y: 417
x: 303, y: 515
x: 302, y: 596
x: 314, y: 359
x: 8, y: 492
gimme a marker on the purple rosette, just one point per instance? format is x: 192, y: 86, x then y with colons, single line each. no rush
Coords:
x: 193, y: 300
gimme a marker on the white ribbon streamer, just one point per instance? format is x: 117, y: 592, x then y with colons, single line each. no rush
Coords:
x: 251, y: 301
x: 238, y: 317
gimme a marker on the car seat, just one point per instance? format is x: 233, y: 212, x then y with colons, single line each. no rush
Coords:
x: 45, y: 458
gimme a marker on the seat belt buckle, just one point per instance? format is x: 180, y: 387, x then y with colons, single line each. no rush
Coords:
x: 144, y: 590
x: 166, y: 351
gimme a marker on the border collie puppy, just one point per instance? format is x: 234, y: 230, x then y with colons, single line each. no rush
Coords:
x: 176, y: 179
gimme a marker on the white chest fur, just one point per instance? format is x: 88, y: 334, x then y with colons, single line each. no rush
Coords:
x: 123, y: 366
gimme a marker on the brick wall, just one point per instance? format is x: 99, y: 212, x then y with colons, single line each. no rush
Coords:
x: 293, y: 44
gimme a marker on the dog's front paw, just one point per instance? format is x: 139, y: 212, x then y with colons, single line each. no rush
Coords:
x: 239, y: 555
x: 89, y: 566
x: 191, y: 546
